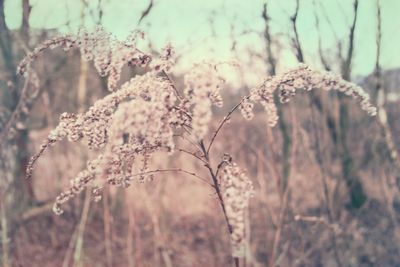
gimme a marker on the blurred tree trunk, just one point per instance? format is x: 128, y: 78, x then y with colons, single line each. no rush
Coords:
x: 15, y: 192
x: 338, y: 128
x: 349, y: 171
x: 282, y: 122
x: 10, y: 93
x: 286, y: 157
x: 380, y: 96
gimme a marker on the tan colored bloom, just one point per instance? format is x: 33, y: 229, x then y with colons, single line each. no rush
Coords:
x: 237, y: 189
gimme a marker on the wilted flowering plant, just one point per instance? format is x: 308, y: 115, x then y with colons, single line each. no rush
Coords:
x: 148, y: 113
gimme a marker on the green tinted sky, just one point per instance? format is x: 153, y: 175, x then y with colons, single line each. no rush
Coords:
x: 202, y: 29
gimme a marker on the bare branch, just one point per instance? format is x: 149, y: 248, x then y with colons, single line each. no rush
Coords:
x: 146, y: 12
x: 346, y: 69
x: 320, y: 52
x: 173, y: 170
x: 224, y: 120
x: 267, y: 36
x: 380, y: 94
x: 296, y: 41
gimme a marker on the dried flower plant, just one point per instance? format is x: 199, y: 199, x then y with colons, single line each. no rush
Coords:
x: 237, y: 190
x: 302, y: 77
x: 108, y: 53
x: 145, y: 115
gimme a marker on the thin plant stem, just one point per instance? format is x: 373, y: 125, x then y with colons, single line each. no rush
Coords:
x: 192, y: 154
x: 218, y: 192
x: 173, y: 170
x: 224, y: 120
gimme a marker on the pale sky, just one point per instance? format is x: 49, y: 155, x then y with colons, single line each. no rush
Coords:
x: 204, y: 29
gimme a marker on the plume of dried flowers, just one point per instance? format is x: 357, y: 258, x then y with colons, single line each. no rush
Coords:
x: 108, y: 53
x: 246, y: 109
x: 202, y: 89
x: 303, y: 77
x: 237, y: 190
x: 166, y: 60
x: 133, y: 121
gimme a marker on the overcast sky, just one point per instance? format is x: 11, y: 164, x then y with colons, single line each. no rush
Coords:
x: 204, y: 29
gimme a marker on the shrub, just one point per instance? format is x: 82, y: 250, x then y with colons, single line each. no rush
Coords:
x: 148, y: 113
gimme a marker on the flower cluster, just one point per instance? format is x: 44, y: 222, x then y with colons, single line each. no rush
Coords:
x: 237, y: 190
x: 166, y: 60
x: 77, y: 186
x: 246, y: 108
x: 202, y: 89
x: 140, y: 127
x: 134, y: 121
x: 108, y: 53
x: 307, y: 79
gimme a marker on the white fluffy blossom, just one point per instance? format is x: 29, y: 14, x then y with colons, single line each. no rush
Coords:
x: 237, y: 190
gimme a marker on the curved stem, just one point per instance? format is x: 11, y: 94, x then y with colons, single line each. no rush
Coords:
x: 218, y: 188
x: 192, y: 154
x: 224, y: 120
x: 173, y: 85
x: 174, y: 170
